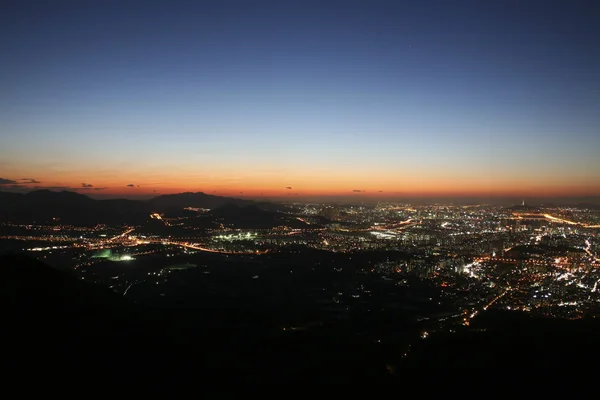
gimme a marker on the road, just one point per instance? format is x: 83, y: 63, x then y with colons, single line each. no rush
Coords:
x: 566, y: 221
x: 190, y: 246
x: 488, y: 305
x: 128, y: 287
x: 122, y: 234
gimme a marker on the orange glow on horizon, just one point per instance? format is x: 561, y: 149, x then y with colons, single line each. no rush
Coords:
x: 120, y: 190
x: 311, y: 183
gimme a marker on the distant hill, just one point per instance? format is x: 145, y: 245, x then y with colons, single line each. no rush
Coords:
x: 44, y: 206
x: 203, y: 200
x: 523, y: 208
x: 587, y: 206
x: 70, y: 208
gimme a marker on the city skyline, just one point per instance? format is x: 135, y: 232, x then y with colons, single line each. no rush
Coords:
x: 281, y: 99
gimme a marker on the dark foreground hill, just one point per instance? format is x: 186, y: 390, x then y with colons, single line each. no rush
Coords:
x: 54, y: 325
x: 95, y: 334
x: 512, y: 341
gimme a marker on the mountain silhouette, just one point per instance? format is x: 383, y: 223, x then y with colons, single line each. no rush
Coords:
x: 70, y: 208
x: 203, y: 200
x: 42, y: 206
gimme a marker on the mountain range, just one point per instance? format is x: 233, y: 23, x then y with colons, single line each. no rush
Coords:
x: 43, y: 206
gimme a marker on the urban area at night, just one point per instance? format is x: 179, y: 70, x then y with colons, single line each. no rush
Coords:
x: 298, y: 192
x: 389, y: 275
x: 541, y: 260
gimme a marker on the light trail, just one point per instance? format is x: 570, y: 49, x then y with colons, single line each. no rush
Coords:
x: 566, y: 221
x: 190, y: 246
x: 121, y: 235
x: 128, y: 287
x: 484, y: 308
x: 398, y: 225
x: 496, y: 299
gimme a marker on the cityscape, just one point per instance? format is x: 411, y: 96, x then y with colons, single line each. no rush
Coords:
x: 541, y: 260
x: 298, y: 192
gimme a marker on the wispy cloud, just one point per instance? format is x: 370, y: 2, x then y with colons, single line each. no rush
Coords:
x: 358, y: 191
x: 288, y: 187
x: 130, y: 185
x: 87, y: 185
x: 7, y: 182
x: 28, y: 180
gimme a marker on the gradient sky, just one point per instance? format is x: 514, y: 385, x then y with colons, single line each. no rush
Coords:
x: 392, y: 98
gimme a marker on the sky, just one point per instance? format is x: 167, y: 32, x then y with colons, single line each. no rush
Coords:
x: 301, y: 98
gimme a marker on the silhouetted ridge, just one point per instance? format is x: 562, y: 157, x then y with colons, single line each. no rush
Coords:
x: 36, y: 296
x: 203, y: 200
x: 56, y: 197
x: 43, y: 206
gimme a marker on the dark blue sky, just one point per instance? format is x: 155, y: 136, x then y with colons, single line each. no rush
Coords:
x: 424, y: 96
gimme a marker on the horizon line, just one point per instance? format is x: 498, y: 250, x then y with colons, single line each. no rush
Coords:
x: 356, y: 198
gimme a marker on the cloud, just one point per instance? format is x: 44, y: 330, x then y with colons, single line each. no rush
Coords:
x: 28, y: 180
x: 358, y: 191
x: 131, y: 185
x: 7, y: 182
x: 87, y: 185
x: 380, y: 191
x: 288, y: 187
x: 19, y: 187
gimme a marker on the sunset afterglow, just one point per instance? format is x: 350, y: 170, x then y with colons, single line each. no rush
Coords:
x: 425, y: 105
